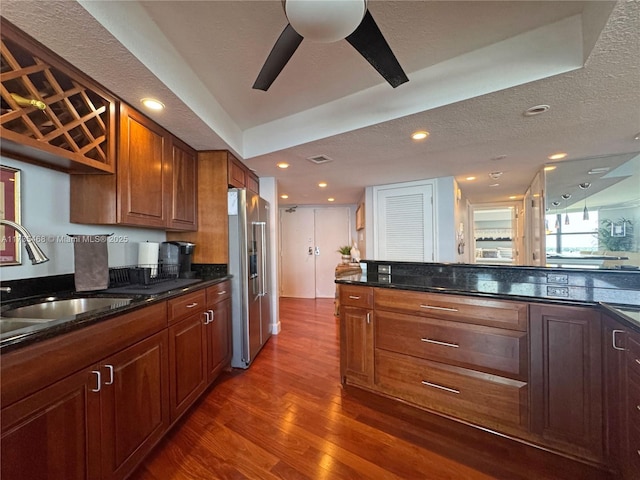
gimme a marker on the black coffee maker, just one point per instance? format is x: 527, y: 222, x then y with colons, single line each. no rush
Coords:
x: 176, y: 257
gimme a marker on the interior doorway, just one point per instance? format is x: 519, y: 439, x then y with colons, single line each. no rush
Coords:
x: 496, y: 233
x: 309, y: 239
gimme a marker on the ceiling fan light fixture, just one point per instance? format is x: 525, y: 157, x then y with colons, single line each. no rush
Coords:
x: 314, y: 21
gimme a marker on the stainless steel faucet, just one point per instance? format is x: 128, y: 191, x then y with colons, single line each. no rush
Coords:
x: 36, y: 255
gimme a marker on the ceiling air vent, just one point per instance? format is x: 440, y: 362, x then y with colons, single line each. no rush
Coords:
x: 320, y: 159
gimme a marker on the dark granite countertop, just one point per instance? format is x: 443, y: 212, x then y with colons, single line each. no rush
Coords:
x: 26, y: 336
x: 616, y: 291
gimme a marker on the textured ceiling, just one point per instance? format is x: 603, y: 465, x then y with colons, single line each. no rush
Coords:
x: 474, y: 67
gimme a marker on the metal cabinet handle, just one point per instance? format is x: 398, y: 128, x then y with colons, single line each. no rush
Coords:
x: 638, y: 361
x: 432, y: 307
x: 440, y: 387
x: 207, y: 319
x: 354, y: 297
x: 438, y: 342
x: 98, y: 381
x: 613, y: 339
x: 191, y: 305
x: 368, y: 318
x: 110, y: 368
x: 222, y: 292
x: 213, y: 315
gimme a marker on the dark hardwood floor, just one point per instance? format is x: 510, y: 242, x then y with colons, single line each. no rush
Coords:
x: 288, y: 417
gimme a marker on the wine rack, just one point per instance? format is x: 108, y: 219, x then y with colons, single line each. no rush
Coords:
x: 51, y: 114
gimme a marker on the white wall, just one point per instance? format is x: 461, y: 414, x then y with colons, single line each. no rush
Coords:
x: 448, y: 214
x: 269, y: 191
x: 45, y: 213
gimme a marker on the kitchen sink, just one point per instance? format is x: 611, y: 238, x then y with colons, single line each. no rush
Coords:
x: 55, y: 309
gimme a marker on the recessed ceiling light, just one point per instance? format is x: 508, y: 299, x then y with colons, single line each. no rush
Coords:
x: 322, y: 184
x: 637, y: 137
x: 513, y: 197
x: 470, y: 178
x: 494, y: 185
x: 420, y: 135
x: 598, y: 170
x: 282, y: 165
x: 536, y: 110
x: 557, y: 156
x: 331, y: 199
x: 548, y: 168
x: 284, y: 195
x: 152, y: 103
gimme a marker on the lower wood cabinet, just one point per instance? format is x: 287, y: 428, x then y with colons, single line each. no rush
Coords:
x: 566, y: 378
x: 622, y: 398
x: 218, y: 331
x: 97, y: 423
x: 92, y: 404
x: 356, y: 335
x: 134, y: 395
x: 54, y: 433
x: 187, y: 351
x: 531, y: 371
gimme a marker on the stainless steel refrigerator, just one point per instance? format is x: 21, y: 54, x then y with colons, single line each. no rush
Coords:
x: 249, y: 265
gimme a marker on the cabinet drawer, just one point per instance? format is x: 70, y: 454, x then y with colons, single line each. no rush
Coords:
x: 481, y: 398
x: 189, y: 304
x: 483, y: 311
x: 356, y: 296
x: 217, y: 293
x: 490, y: 349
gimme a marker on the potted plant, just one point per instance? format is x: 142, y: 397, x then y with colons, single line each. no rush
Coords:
x: 345, y: 251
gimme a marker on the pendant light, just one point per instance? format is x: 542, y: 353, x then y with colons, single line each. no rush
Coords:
x: 566, y: 197
x: 585, y: 212
x: 557, y: 225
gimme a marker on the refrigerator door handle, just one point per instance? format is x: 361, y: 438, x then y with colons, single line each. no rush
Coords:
x: 263, y: 259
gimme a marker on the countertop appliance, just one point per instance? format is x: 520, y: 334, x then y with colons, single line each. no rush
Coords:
x: 172, y: 253
x: 248, y: 264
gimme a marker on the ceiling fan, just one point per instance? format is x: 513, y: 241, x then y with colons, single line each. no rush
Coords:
x: 329, y: 21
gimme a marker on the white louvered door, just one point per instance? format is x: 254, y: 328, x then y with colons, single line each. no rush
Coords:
x: 405, y: 223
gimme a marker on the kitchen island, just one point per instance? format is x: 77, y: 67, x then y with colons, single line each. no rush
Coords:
x: 534, y: 354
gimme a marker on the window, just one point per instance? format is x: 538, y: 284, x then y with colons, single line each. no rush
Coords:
x: 578, y: 237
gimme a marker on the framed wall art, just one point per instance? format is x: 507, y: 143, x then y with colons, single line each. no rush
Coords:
x: 9, y: 210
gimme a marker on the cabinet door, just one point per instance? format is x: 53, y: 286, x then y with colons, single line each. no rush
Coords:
x: 142, y: 179
x: 613, y: 342
x: 53, y: 433
x: 356, y: 344
x: 183, y: 174
x: 566, y: 378
x: 187, y: 354
x: 237, y: 172
x: 219, y: 339
x: 135, y: 404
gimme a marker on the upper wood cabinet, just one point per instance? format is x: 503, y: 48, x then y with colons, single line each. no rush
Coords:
x: 239, y: 175
x: 217, y: 171
x: 52, y: 114
x: 154, y: 186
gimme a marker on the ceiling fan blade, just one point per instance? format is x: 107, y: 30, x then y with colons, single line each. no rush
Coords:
x: 285, y: 46
x: 369, y: 41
